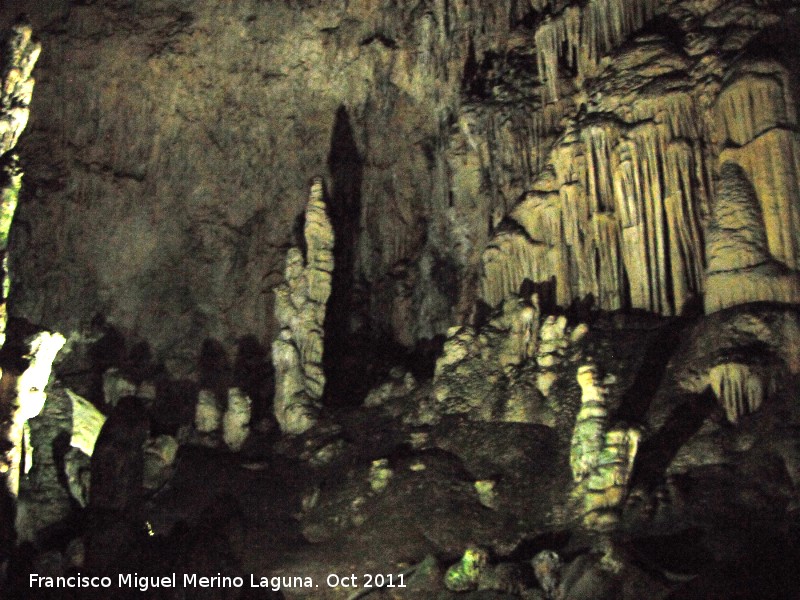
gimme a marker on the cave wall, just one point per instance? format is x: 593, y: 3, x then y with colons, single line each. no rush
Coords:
x: 465, y: 147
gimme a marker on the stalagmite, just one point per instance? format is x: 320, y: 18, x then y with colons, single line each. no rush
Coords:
x: 590, y: 427
x: 300, y: 311
x: 740, y: 266
x: 236, y: 420
x: 16, y: 90
x: 207, y: 416
x: 601, y: 458
x: 520, y: 318
x: 607, y: 485
x: 738, y: 387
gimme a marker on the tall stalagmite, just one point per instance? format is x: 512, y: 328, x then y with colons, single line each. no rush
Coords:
x: 300, y: 310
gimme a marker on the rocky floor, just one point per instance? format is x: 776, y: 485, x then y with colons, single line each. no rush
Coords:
x: 711, y: 512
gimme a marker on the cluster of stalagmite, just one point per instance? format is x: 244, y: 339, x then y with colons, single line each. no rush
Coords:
x: 601, y: 458
x: 740, y: 388
x: 504, y: 370
x: 232, y: 423
x: 300, y: 311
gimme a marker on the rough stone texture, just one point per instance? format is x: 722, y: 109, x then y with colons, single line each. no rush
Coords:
x: 471, y: 151
x: 300, y: 310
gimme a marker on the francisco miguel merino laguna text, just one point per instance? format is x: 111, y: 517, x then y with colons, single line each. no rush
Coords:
x: 144, y: 583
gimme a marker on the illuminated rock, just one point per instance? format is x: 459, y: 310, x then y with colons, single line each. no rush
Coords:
x: 236, y: 420
x: 159, y: 457
x: 116, y: 386
x: 741, y: 268
x: 207, y: 416
x: 87, y: 422
x: 465, y: 574
x: 300, y: 304
x: 520, y: 319
x: 739, y: 388
x: 588, y: 436
x: 547, y: 566
x: 601, y: 458
x: 607, y: 484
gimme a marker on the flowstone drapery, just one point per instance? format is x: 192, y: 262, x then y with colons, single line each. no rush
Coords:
x: 300, y: 304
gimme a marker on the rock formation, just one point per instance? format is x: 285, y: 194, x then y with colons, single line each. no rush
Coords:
x: 601, y: 458
x: 591, y: 424
x: 465, y: 574
x: 300, y: 304
x: 159, y: 457
x: 741, y: 268
x: 739, y: 387
x: 236, y: 420
x: 23, y: 398
x: 207, y: 416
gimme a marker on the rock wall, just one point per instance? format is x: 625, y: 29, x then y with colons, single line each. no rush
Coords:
x: 467, y: 147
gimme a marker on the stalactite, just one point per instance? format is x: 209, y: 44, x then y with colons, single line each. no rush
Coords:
x: 738, y: 387
x: 584, y: 35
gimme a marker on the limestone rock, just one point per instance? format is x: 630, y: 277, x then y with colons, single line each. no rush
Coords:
x: 739, y: 387
x: 379, y: 474
x: 300, y: 304
x: 208, y: 416
x: 401, y: 384
x: 465, y: 574
x: 607, y: 485
x: 236, y: 420
x: 741, y: 268
x: 547, y: 566
x: 590, y: 427
x: 159, y: 457
x: 116, y: 386
x: 87, y: 423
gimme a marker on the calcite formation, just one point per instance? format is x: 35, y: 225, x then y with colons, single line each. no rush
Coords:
x: 16, y: 91
x: 159, y: 457
x: 741, y: 267
x: 465, y: 574
x: 740, y: 388
x: 601, y: 458
x: 23, y: 397
x: 87, y: 422
x: 207, y: 416
x: 502, y: 371
x: 236, y: 420
x: 591, y: 424
x: 547, y: 566
x: 607, y: 484
x: 520, y: 319
x: 300, y: 304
